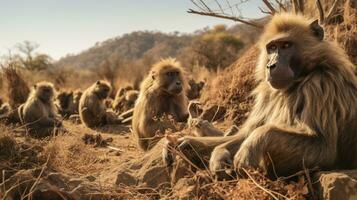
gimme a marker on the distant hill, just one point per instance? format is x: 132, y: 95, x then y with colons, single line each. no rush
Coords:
x: 128, y: 47
x: 135, y: 45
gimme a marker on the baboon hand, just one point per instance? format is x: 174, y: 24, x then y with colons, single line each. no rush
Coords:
x: 221, y: 164
x: 245, y: 158
x: 169, y: 149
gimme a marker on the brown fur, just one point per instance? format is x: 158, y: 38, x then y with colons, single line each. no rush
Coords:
x: 194, y: 90
x: 67, y: 103
x: 38, y: 113
x: 312, y: 123
x: 153, y: 104
x: 126, y: 101
x: 92, y: 108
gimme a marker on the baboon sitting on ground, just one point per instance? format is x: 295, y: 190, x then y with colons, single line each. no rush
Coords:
x: 305, y: 112
x: 125, y: 101
x: 68, y: 103
x: 38, y: 113
x: 92, y: 109
x: 161, y: 94
x: 194, y: 90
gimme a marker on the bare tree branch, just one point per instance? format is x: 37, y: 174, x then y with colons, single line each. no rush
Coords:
x: 265, y: 12
x: 281, y: 5
x: 271, y: 8
x: 236, y: 19
x: 204, y: 4
x: 219, y: 5
x: 321, y: 12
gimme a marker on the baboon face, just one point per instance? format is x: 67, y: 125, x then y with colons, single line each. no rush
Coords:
x: 44, y: 92
x: 284, y: 60
x: 102, y: 89
x: 171, y: 80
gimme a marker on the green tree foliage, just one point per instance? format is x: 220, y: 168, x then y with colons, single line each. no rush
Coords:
x: 216, y: 48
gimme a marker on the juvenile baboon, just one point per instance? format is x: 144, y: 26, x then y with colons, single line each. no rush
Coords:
x: 92, y: 108
x: 194, y: 90
x: 126, y: 101
x: 305, y: 111
x: 64, y: 103
x: 67, y: 103
x: 38, y: 113
x: 161, y: 93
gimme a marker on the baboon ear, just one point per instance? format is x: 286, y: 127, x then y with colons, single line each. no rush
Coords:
x: 317, y: 30
x: 153, y: 75
x: 98, y: 82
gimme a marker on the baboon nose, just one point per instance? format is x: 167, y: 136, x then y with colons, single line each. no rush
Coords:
x: 271, y: 66
x: 178, y: 82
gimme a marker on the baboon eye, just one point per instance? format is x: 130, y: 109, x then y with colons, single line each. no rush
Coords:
x: 170, y: 73
x: 271, y: 47
x: 287, y: 45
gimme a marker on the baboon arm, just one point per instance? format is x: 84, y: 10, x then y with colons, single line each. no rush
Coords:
x: 287, y: 149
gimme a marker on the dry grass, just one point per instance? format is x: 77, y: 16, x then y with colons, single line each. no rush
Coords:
x: 16, y: 87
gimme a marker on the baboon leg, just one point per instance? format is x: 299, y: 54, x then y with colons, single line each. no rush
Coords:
x: 196, y: 149
x: 284, y: 152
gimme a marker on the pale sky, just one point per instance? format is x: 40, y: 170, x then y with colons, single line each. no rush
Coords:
x: 71, y: 26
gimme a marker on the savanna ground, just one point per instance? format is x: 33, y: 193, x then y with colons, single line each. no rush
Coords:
x: 112, y: 167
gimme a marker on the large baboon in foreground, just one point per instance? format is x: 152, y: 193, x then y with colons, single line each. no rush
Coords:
x: 38, y: 113
x: 161, y: 94
x: 92, y: 109
x: 305, y: 112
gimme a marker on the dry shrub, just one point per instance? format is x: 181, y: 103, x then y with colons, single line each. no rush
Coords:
x: 8, y: 146
x: 69, y: 154
x: 16, y: 88
x: 232, y: 87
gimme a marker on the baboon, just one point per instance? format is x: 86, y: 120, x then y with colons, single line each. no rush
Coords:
x: 194, y: 90
x: 38, y: 113
x: 125, y: 101
x: 161, y: 94
x: 64, y: 104
x: 92, y: 108
x: 68, y: 102
x: 305, y: 111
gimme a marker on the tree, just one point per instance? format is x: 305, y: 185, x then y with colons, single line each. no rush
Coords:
x: 29, y: 59
x: 216, y: 48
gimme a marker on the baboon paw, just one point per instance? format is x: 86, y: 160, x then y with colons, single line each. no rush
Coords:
x: 244, y: 159
x: 221, y: 164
